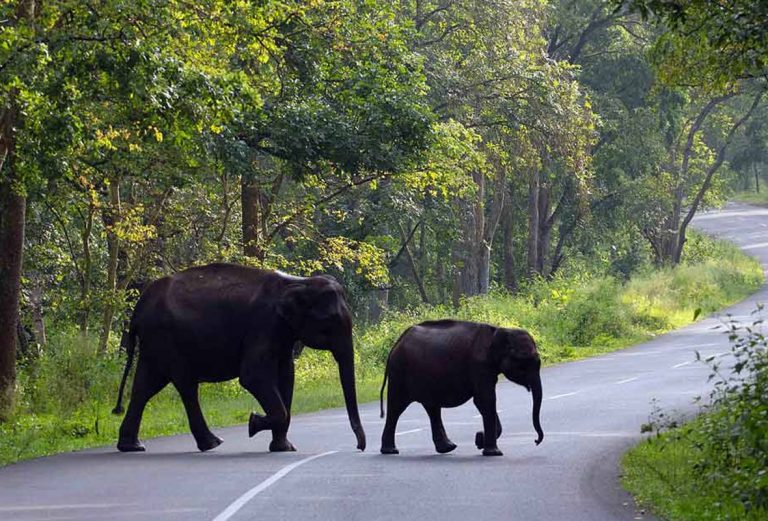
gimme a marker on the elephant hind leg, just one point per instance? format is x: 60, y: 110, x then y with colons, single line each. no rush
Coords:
x: 396, y: 405
x: 442, y: 444
x: 188, y: 390
x: 146, y: 383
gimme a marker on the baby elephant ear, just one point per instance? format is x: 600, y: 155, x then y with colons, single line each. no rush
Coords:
x: 292, y: 303
x: 500, y: 345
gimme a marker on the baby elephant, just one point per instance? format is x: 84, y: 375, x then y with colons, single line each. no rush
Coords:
x: 444, y: 363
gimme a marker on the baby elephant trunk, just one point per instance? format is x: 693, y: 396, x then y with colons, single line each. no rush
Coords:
x: 537, y: 395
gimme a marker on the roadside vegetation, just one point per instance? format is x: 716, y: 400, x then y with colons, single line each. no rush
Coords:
x: 714, y: 467
x: 66, y: 395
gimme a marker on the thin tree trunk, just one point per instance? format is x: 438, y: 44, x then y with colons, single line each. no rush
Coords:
x: 38, y: 322
x: 251, y: 205
x: 412, y: 264
x: 85, y: 286
x: 441, y: 282
x: 757, y: 178
x: 510, y: 282
x: 111, y: 219
x: 533, y: 222
x: 545, y: 229
x: 719, y: 159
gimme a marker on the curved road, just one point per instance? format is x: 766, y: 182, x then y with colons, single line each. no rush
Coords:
x: 591, y: 414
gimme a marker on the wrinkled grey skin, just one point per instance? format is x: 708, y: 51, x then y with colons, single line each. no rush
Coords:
x: 445, y: 363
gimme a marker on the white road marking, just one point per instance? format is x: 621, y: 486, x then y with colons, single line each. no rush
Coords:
x: 595, y: 434
x: 240, y: 502
x: 408, y: 432
x: 680, y: 365
x: 755, y: 246
x: 555, y: 397
x: 62, y: 507
x: 639, y: 353
x: 627, y: 380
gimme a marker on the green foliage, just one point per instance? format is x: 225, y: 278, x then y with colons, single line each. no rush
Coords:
x: 722, y: 41
x: 715, y: 466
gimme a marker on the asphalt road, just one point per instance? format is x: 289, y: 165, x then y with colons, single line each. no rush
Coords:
x: 591, y: 414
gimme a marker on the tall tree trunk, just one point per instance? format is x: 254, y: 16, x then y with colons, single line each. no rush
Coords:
x: 85, y: 283
x: 490, y: 225
x: 441, y: 282
x: 412, y: 264
x: 510, y: 282
x: 251, y: 203
x: 111, y: 219
x: 38, y: 321
x: 13, y: 207
x: 545, y: 229
x: 533, y: 222
x: 757, y: 178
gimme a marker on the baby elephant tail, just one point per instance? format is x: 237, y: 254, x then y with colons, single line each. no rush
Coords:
x: 383, y: 384
x: 129, y: 344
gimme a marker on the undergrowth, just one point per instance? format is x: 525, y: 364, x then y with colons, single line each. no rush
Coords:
x: 64, y: 398
x: 716, y: 466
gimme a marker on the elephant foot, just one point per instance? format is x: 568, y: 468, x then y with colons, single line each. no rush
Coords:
x: 210, y: 442
x: 444, y: 446
x: 479, y: 440
x: 130, y: 446
x: 281, y: 446
x: 389, y: 450
x: 256, y: 424
x: 493, y: 451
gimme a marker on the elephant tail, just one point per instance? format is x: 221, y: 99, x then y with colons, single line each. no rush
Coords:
x: 128, y: 342
x: 383, y: 384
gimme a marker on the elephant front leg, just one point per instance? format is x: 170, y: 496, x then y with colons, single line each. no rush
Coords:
x: 263, y: 387
x: 285, y: 383
x: 486, y: 404
x: 480, y: 437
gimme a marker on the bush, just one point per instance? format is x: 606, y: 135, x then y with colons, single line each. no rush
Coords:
x: 715, y: 467
x: 594, y: 315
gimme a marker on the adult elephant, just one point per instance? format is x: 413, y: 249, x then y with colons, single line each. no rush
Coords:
x: 444, y: 363
x: 222, y: 321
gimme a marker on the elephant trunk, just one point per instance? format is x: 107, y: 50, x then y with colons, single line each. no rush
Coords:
x: 537, y: 396
x: 346, y: 363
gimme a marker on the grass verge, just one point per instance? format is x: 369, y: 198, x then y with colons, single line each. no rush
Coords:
x: 65, y: 398
x: 663, y: 474
x: 716, y: 466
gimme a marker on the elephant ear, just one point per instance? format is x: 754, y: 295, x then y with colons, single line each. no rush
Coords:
x: 523, y: 345
x: 500, y: 345
x: 514, y: 343
x: 302, y: 301
x: 293, y: 303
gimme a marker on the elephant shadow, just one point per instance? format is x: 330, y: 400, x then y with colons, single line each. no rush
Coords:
x: 467, y: 459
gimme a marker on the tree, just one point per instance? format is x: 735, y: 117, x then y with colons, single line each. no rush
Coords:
x: 720, y: 41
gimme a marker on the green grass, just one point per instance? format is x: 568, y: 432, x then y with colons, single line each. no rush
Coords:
x: 662, y: 474
x: 751, y: 197
x: 64, y: 401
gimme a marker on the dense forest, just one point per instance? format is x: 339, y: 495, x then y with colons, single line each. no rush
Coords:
x: 420, y: 151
